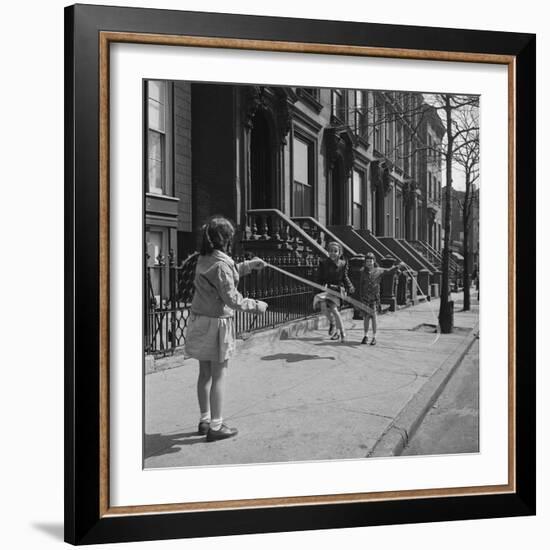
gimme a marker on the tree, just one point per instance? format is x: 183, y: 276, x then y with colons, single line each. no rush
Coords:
x: 458, y: 136
x: 467, y: 158
x: 410, y: 109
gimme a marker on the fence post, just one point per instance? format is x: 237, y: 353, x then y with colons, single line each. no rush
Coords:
x: 172, y: 297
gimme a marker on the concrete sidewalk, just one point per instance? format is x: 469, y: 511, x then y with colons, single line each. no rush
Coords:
x: 307, y: 398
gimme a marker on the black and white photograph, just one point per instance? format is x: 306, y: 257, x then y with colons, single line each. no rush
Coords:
x: 310, y: 273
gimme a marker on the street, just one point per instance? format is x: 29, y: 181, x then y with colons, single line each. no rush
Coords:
x: 452, y: 424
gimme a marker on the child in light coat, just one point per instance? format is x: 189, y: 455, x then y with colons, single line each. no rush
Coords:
x: 211, y: 333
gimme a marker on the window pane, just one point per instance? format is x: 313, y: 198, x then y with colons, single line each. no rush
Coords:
x: 154, y: 249
x: 155, y: 162
x: 156, y: 116
x: 306, y: 208
x: 155, y: 176
x: 301, y: 198
x: 357, y: 187
x: 157, y: 105
x: 301, y: 161
x: 156, y: 90
x: 297, y: 199
x: 357, y: 215
x: 155, y: 145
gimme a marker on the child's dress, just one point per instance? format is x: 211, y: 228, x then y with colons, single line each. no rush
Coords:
x: 211, y: 332
x: 369, y: 285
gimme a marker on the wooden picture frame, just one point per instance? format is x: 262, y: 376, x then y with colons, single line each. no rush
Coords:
x: 89, y: 33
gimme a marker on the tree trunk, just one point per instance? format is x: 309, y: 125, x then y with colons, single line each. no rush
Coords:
x: 466, y: 209
x: 467, y: 268
x: 445, y: 313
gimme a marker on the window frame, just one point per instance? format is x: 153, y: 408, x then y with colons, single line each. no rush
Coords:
x: 311, y: 148
x: 167, y: 187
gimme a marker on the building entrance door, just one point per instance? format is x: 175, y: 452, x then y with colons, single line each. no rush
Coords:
x: 262, y: 181
x: 336, y: 195
x: 379, y: 210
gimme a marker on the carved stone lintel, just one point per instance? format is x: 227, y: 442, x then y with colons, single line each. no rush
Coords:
x: 253, y: 99
x: 409, y: 192
x: 339, y: 141
x: 381, y: 177
x: 276, y: 102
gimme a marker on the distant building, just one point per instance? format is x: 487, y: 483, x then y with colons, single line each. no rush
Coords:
x: 457, y: 229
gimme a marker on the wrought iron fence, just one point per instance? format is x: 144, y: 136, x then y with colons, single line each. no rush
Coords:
x: 167, y: 304
x: 287, y: 298
x: 170, y: 292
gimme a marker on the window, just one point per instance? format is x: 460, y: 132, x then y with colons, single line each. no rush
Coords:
x: 359, y: 114
x: 429, y: 185
x: 302, y: 192
x: 390, y: 140
x: 399, y: 145
x: 358, y: 199
x: 158, y: 138
x: 338, y: 107
x: 398, y: 212
x: 378, y: 122
x: 155, y: 240
x: 313, y: 92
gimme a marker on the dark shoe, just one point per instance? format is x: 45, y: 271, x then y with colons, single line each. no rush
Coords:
x: 373, y: 342
x: 331, y: 329
x: 224, y: 432
x: 204, y: 426
x: 335, y: 336
x: 364, y: 340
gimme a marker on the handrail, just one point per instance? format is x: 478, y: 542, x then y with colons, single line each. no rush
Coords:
x: 323, y: 228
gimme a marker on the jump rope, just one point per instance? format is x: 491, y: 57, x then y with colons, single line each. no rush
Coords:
x: 355, y: 303
x: 340, y: 295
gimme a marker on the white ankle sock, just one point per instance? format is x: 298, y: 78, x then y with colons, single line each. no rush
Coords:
x: 216, y: 423
x: 205, y: 417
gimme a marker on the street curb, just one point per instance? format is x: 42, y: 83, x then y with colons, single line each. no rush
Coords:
x: 397, y: 436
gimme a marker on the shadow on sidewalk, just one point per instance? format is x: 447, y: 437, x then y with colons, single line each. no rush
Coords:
x: 158, y: 444
x: 294, y: 357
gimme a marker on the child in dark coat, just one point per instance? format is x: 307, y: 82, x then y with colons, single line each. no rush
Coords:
x: 333, y: 273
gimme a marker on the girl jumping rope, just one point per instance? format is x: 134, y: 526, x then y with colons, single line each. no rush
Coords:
x: 333, y: 273
x: 369, y: 292
x: 211, y: 332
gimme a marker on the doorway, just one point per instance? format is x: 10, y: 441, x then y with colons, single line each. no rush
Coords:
x: 336, y: 195
x: 262, y: 180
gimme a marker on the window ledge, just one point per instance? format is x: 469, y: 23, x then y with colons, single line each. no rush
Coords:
x: 162, y: 197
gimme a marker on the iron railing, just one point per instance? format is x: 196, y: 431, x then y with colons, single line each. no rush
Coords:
x: 167, y: 304
x: 170, y: 292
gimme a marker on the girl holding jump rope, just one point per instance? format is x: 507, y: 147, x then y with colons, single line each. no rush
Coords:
x: 211, y: 332
x: 333, y: 274
x: 369, y: 292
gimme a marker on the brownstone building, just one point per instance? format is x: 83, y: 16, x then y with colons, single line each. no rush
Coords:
x: 294, y: 168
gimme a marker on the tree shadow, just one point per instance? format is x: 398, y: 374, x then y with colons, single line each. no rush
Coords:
x: 346, y: 344
x: 294, y: 357
x: 159, y: 444
x: 317, y: 339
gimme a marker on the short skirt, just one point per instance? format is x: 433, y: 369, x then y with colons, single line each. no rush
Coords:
x: 327, y: 298
x: 210, y: 338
